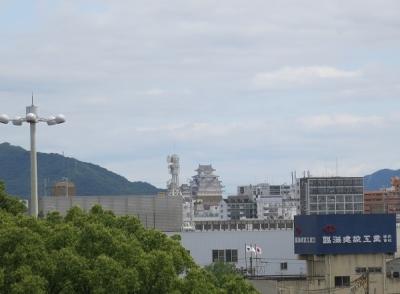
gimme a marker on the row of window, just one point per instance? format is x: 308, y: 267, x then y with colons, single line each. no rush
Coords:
x: 342, y: 281
x: 225, y: 255
x: 337, y: 182
x: 336, y: 190
x: 361, y: 270
x: 336, y: 198
x: 337, y: 206
x: 336, y: 212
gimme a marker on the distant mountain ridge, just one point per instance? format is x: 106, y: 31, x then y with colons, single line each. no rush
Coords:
x: 89, y: 179
x: 380, y: 179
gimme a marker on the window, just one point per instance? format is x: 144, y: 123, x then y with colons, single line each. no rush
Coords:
x: 358, y: 182
x: 226, y: 255
x: 360, y: 270
x: 358, y: 198
x: 358, y: 206
x: 349, y: 206
x: 342, y: 281
x: 231, y: 255
x: 339, y: 182
x: 339, y: 198
x: 339, y: 190
x: 375, y: 269
x: 331, y: 206
x: 283, y: 266
x: 339, y: 206
x: 331, y: 198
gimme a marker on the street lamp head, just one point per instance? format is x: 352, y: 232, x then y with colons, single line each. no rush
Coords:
x: 51, y: 121
x: 4, y: 119
x: 31, y: 118
x: 17, y: 121
x: 60, y: 118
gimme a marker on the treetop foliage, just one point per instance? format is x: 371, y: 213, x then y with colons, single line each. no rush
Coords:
x: 98, y: 252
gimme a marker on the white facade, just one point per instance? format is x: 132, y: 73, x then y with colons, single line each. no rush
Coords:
x: 274, y: 201
x: 277, y: 258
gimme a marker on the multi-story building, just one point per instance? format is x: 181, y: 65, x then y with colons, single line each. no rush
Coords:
x: 331, y: 195
x: 273, y: 201
x: 241, y: 207
x: 384, y: 201
x: 265, y: 190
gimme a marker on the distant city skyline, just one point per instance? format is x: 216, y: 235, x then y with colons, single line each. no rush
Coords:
x: 256, y: 89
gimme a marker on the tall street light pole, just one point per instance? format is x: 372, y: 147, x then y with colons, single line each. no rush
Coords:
x: 33, y: 118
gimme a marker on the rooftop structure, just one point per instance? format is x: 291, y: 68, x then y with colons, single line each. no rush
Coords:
x: 64, y: 188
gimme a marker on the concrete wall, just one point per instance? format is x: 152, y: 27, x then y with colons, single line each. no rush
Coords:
x: 159, y: 212
x: 277, y: 246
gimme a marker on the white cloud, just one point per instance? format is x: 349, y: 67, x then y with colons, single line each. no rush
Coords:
x: 135, y: 78
x: 294, y: 76
x: 340, y: 120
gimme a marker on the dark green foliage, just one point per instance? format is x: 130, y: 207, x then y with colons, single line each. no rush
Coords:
x: 10, y: 204
x: 97, y: 252
x: 89, y: 179
x: 227, y: 278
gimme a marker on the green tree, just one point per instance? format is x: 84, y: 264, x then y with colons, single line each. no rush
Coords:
x: 98, y: 252
x: 10, y: 204
x: 227, y: 278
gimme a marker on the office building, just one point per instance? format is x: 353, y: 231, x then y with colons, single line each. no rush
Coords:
x: 331, y: 195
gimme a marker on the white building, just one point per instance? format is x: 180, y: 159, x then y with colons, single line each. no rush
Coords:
x: 274, y: 201
x: 277, y: 257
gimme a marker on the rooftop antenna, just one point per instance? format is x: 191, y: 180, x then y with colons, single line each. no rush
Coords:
x: 32, y: 98
x: 337, y: 166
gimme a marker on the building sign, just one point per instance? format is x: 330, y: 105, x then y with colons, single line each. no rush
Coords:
x: 345, y: 233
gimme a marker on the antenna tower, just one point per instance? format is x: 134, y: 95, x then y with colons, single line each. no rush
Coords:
x: 173, y: 168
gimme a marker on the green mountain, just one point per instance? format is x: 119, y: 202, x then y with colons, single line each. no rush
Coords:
x: 89, y: 179
x: 380, y: 179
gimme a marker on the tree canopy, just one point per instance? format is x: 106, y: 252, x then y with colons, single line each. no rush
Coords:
x: 98, y: 252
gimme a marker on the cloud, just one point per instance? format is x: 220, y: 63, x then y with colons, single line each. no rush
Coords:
x: 340, y: 120
x: 308, y: 75
x: 270, y: 85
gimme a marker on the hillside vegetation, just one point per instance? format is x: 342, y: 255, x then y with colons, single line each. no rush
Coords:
x: 90, y: 179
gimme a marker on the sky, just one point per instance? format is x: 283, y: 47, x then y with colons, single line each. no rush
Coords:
x: 256, y: 88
